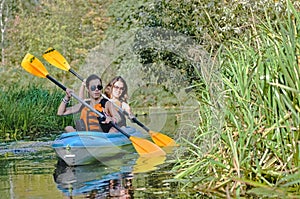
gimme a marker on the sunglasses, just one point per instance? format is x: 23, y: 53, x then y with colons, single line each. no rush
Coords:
x: 119, y: 88
x: 94, y: 87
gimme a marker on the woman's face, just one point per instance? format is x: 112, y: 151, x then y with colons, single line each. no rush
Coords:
x: 95, y: 87
x: 117, y: 90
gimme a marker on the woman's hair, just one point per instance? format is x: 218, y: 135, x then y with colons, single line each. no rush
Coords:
x: 90, y: 78
x: 109, y: 87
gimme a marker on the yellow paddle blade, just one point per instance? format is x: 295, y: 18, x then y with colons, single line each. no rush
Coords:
x: 56, y: 59
x: 145, y: 147
x: 145, y: 164
x: 34, y: 66
x: 161, y: 139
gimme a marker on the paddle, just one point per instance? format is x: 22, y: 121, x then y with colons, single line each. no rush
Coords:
x: 56, y: 59
x: 158, y: 138
x: 34, y: 66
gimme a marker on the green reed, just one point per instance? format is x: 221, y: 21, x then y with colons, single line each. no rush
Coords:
x: 30, y: 112
x: 258, y: 150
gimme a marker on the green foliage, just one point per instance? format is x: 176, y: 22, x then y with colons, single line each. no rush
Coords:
x: 167, y: 56
x: 211, y: 23
x: 259, y: 144
x: 153, y: 96
x: 30, y: 112
x: 252, y: 45
x: 73, y: 27
x: 170, y: 32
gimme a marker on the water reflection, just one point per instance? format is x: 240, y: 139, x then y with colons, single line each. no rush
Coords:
x: 110, y: 179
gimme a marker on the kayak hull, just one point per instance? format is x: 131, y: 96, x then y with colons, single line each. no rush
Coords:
x: 85, y: 147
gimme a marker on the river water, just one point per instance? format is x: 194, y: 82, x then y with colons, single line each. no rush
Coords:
x: 31, y: 170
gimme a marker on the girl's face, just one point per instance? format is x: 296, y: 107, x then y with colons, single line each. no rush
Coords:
x: 95, y: 87
x: 117, y: 90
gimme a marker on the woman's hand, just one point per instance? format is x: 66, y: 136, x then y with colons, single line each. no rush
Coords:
x: 69, y: 93
x: 108, y: 120
x: 83, y: 83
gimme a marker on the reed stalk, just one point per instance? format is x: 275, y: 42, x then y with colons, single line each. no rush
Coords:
x: 259, y: 143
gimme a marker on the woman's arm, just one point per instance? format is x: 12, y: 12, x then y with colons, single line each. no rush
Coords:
x: 112, y: 112
x: 127, y: 108
x: 63, y: 109
x: 82, y: 89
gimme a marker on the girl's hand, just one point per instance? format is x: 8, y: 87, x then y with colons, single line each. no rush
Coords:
x: 69, y: 93
x: 107, y: 120
x: 83, y: 83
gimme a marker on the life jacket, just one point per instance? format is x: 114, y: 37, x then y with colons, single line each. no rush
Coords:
x: 90, y: 120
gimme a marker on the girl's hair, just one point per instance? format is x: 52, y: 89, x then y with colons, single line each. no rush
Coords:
x: 90, y: 78
x: 109, y: 87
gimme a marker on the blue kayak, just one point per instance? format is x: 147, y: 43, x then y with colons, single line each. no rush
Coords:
x: 85, y: 147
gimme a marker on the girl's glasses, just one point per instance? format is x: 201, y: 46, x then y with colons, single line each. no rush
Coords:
x: 94, y: 87
x: 119, y: 88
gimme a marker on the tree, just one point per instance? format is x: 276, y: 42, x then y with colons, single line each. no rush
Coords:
x: 3, y: 27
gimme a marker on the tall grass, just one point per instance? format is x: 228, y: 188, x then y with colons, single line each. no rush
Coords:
x: 30, y: 112
x: 258, y: 153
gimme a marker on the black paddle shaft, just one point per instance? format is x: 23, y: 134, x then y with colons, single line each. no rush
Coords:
x: 56, y: 82
x: 76, y: 74
x: 139, y: 123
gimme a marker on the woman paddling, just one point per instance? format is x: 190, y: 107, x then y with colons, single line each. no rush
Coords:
x: 91, y: 121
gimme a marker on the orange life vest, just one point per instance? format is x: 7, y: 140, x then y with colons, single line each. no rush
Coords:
x: 91, y: 119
